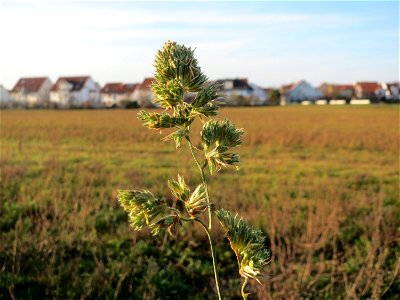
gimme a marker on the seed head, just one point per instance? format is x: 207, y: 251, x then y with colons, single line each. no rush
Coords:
x: 248, y: 244
x: 217, y: 138
x: 141, y: 206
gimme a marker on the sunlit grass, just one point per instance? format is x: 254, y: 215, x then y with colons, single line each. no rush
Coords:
x: 323, y: 181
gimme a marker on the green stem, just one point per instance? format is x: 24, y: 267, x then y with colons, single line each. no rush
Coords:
x: 203, y: 179
x: 209, y: 228
x: 244, y: 295
x: 212, y: 255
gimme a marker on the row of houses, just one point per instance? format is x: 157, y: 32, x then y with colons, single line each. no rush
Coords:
x: 375, y: 92
x: 74, y: 91
x: 83, y: 91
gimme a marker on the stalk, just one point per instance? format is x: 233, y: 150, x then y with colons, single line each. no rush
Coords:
x: 209, y: 228
x: 203, y: 179
x: 244, y: 295
x: 212, y: 255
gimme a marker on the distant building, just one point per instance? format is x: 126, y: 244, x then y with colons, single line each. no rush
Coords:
x: 142, y: 94
x: 241, y: 92
x: 75, y: 91
x: 273, y: 95
x: 31, y: 91
x: 298, y: 92
x: 368, y: 90
x: 391, y: 91
x: 113, y: 93
x: 5, y: 97
x: 335, y: 91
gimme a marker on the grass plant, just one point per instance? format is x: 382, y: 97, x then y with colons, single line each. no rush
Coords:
x: 178, y: 73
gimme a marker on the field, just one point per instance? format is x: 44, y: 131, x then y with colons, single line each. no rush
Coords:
x: 323, y: 182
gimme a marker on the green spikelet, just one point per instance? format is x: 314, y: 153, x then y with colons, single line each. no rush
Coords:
x: 248, y: 244
x: 142, y: 207
x: 217, y: 138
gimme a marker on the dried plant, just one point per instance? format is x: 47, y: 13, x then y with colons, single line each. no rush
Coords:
x: 178, y: 73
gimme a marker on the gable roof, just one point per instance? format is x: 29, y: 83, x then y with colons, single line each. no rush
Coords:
x: 285, y: 89
x: 29, y: 84
x: 130, y: 87
x: 368, y: 87
x: 146, y: 84
x: 119, y: 88
x: 113, y: 88
x: 393, y: 84
x: 290, y: 87
x: 77, y: 82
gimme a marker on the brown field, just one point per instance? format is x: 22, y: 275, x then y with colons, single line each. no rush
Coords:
x: 323, y: 182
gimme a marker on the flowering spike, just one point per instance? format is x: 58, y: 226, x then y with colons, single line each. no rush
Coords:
x: 141, y: 206
x: 179, y: 189
x: 197, y: 202
x: 217, y: 138
x: 248, y: 244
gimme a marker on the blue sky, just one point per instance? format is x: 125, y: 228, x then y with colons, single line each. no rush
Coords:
x: 271, y: 43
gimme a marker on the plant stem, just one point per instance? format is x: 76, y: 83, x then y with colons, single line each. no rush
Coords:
x: 203, y: 179
x: 244, y: 295
x: 212, y: 255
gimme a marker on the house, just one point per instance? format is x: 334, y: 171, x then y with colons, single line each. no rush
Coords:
x: 240, y: 92
x: 368, y: 90
x: 335, y: 91
x: 75, y: 91
x: 273, y: 96
x: 391, y: 91
x: 32, y: 91
x: 113, y: 93
x: 142, y: 94
x: 5, y: 98
x: 298, y: 92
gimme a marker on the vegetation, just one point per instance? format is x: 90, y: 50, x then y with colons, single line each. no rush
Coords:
x: 322, y: 181
x: 177, y: 74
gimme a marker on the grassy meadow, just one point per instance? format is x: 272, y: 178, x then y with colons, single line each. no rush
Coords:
x: 323, y: 182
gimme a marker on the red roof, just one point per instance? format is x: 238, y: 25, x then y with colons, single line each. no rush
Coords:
x: 146, y: 84
x: 119, y: 88
x: 29, y: 85
x: 343, y: 87
x: 368, y: 87
x: 113, y: 88
x: 77, y: 82
x: 130, y: 87
x: 287, y: 88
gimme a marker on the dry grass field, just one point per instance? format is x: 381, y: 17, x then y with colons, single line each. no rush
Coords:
x: 323, y: 182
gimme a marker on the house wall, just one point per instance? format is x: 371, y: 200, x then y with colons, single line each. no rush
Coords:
x: 4, y: 95
x: 44, y: 91
x: 303, y: 92
x: 143, y: 97
x: 110, y: 99
x: 256, y: 96
x: 88, y: 94
x: 19, y: 97
x: 63, y: 95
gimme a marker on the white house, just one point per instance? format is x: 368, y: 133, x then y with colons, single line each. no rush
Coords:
x: 4, y: 96
x: 298, y: 92
x: 241, y: 92
x: 142, y: 94
x: 368, y: 90
x: 75, y: 91
x: 113, y: 93
x: 32, y: 91
x: 391, y: 91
